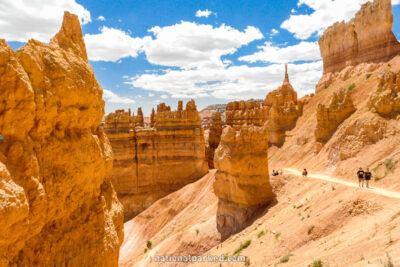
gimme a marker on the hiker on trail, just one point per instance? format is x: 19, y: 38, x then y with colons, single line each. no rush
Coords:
x: 367, y: 176
x: 273, y: 173
x: 280, y: 172
x: 305, y: 173
x: 360, y: 175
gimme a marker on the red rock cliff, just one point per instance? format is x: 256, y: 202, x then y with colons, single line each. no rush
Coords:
x: 368, y: 37
x: 57, y: 204
x: 153, y: 162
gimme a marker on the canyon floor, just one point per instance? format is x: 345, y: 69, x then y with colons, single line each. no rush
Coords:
x: 313, y: 218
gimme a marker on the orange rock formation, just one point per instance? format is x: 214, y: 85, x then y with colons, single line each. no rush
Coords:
x: 242, y: 180
x: 368, y: 37
x: 57, y: 204
x: 213, y: 138
x: 151, y: 163
x: 280, y: 110
x: 329, y: 118
x: 386, y: 99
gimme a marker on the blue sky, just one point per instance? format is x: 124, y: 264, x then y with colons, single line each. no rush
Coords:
x: 147, y: 52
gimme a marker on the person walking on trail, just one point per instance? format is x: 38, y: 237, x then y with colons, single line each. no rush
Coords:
x: 360, y: 175
x: 305, y: 173
x: 367, y: 176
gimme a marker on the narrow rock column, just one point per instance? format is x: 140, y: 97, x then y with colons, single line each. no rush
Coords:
x: 242, y: 180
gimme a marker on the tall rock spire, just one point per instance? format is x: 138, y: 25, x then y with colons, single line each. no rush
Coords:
x: 286, y: 74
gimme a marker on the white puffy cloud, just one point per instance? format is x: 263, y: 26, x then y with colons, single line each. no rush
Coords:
x: 235, y: 82
x: 164, y: 96
x: 203, y: 13
x: 188, y: 45
x: 150, y: 94
x: 112, y: 44
x: 101, y: 18
x: 303, y: 51
x: 21, y: 20
x: 325, y: 13
x: 111, y: 97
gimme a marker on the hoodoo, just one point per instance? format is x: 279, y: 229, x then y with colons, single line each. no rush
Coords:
x: 242, y: 180
x: 284, y: 110
x: 57, y: 204
x: 368, y: 37
x: 150, y: 163
x: 280, y: 110
x: 214, y: 138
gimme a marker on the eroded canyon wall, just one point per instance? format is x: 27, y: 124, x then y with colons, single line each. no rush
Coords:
x: 368, y: 37
x: 57, y: 203
x: 242, y: 180
x: 150, y: 163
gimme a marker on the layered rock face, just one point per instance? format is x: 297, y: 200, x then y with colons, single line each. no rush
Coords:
x: 214, y: 138
x: 386, y: 99
x: 57, y: 203
x: 239, y: 113
x: 329, y: 118
x: 242, y: 180
x: 368, y: 37
x: 150, y: 163
x: 279, y: 111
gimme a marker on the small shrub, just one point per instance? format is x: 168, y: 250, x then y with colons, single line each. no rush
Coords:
x: 260, y: 234
x: 389, y: 164
x: 377, y: 177
x: 310, y: 228
x: 351, y: 87
x: 149, y: 244
x: 197, y: 231
x: 317, y: 263
x: 285, y: 258
x: 333, y: 188
x: 368, y: 76
x: 390, y: 241
x: 327, y: 85
x: 242, y: 246
x: 294, y: 206
x: 277, y: 235
x: 145, y: 250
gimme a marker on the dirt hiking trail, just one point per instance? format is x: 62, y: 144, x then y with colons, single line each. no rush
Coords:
x: 375, y: 190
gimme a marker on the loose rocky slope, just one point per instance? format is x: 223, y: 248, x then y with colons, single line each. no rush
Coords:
x: 57, y: 203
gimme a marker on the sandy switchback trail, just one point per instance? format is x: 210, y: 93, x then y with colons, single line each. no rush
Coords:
x: 375, y: 190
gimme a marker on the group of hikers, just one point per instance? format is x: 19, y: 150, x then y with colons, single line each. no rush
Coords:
x: 276, y: 173
x: 363, y: 175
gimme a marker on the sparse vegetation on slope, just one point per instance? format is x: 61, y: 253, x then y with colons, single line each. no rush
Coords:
x: 242, y: 246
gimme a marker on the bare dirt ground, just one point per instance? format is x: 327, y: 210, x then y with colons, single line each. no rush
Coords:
x: 314, y: 218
